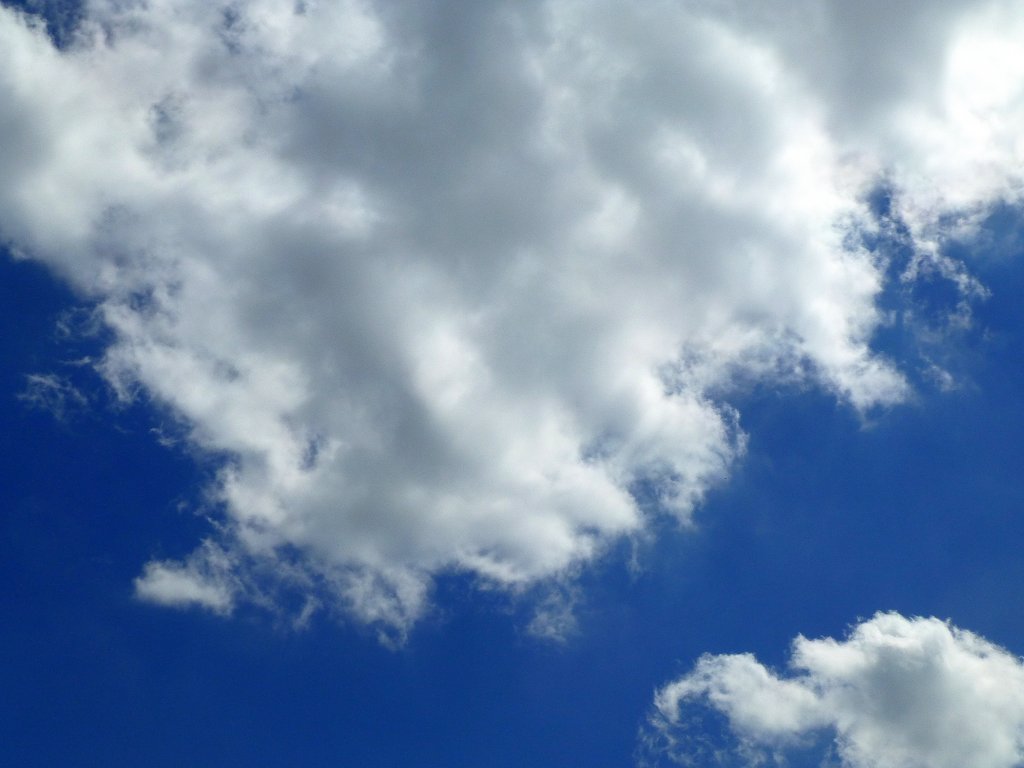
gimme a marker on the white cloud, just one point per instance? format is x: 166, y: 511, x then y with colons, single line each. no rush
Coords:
x: 203, y: 580
x: 896, y: 693
x: 446, y: 281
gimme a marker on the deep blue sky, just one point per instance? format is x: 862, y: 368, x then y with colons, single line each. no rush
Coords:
x: 830, y: 517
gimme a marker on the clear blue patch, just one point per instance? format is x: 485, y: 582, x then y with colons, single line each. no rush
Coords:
x: 61, y: 16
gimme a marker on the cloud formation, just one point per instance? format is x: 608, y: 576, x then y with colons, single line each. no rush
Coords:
x: 445, y: 283
x: 896, y: 693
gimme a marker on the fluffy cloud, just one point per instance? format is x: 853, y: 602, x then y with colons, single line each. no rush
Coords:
x: 445, y: 283
x: 897, y: 693
x: 204, y: 580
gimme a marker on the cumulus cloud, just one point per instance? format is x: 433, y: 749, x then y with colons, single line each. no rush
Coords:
x: 896, y: 693
x: 446, y: 282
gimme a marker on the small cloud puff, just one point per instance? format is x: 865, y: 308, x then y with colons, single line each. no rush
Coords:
x: 896, y: 693
x: 203, y: 581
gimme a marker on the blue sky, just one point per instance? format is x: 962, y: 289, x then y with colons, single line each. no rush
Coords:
x: 417, y: 385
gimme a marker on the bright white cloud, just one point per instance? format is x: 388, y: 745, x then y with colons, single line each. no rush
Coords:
x: 445, y: 281
x: 896, y: 693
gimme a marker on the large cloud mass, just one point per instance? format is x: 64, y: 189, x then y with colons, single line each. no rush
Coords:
x: 446, y: 282
x: 897, y: 693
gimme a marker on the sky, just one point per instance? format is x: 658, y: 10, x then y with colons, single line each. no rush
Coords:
x: 512, y: 383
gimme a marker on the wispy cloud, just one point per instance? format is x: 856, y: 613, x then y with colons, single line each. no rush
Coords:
x: 52, y: 393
